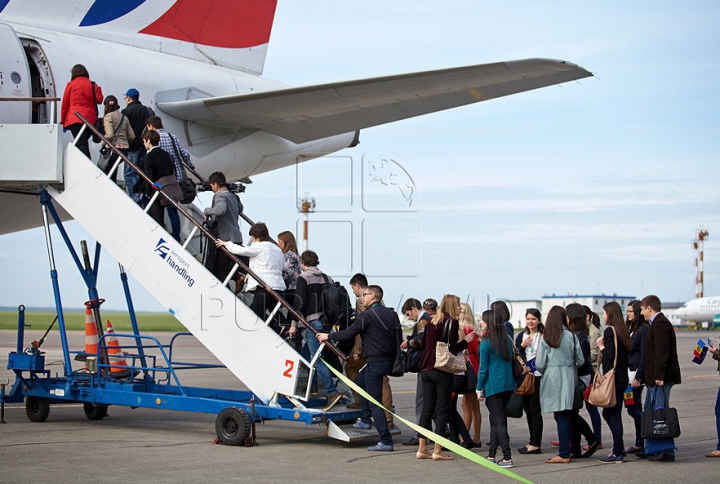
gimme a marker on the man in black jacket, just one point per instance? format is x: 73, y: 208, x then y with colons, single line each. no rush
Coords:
x: 377, y: 327
x: 157, y: 164
x: 662, y: 367
x: 137, y: 115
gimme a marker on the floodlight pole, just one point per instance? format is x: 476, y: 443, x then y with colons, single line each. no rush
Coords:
x: 307, y: 205
x: 700, y: 236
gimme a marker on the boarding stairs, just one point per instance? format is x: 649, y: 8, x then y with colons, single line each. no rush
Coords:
x: 222, y: 322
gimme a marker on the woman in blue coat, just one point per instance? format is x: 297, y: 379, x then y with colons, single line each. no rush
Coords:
x: 496, y: 383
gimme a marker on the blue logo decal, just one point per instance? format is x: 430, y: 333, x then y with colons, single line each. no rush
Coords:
x: 103, y: 11
x: 3, y: 4
x: 162, y: 249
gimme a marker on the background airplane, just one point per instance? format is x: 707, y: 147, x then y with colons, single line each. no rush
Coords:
x: 704, y: 309
x: 198, y: 64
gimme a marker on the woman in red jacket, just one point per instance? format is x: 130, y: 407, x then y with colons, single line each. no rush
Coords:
x: 79, y: 97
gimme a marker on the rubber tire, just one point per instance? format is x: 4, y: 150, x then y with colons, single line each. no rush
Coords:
x: 233, y: 426
x: 95, y: 412
x: 37, y: 408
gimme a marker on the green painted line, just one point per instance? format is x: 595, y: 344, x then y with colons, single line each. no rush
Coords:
x: 451, y: 446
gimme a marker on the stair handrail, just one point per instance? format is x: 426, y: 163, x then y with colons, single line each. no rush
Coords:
x: 52, y: 119
x: 297, y: 316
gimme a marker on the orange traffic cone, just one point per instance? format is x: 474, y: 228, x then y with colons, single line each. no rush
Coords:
x: 91, y: 335
x: 118, y: 365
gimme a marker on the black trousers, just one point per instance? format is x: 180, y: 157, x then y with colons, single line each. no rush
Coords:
x: 224, y: 264
x: 437, y: 390
x: 457, y: 424
x: 531, y: 405
x: 579, y: 427
x: 82, y: 143
x: 498, y: 424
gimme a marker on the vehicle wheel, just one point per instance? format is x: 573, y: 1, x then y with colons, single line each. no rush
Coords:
x: 95, y: 412
x: 233, y: 426
x: 37, y: 408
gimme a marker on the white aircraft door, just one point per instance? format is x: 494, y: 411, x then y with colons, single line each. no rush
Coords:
x: 14, y: 78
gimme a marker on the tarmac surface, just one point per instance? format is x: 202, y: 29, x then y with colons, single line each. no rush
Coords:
x: 145, y: 445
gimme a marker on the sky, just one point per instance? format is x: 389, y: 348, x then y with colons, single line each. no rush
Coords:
x: 592, y: 187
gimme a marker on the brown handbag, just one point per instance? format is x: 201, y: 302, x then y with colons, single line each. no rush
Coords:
x: 602, y: 393
x: 527, y: 385
x: 170, y: 188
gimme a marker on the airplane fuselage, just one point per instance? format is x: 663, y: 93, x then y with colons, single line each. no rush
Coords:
x: 699, y: 310
x: 164, y: 78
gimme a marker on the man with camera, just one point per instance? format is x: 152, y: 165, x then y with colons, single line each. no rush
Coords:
x: 223, y: 214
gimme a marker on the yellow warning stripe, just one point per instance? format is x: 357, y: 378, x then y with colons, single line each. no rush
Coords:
x: 451, y: 446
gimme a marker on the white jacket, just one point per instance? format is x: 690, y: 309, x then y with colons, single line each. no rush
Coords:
x: 266, y: 260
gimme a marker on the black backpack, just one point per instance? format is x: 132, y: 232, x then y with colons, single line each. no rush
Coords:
x: 336, y: 306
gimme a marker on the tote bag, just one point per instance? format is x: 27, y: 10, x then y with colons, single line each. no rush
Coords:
x: 444, y: 359
x: 603, y: 392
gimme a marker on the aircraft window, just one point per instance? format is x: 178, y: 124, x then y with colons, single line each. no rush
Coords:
x: 15, y: 77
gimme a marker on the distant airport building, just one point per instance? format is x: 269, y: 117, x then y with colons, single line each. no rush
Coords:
x: 594, y: 302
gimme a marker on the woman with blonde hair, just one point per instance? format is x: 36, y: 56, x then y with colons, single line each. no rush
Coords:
x: 437, y: 384
x: 470, y: 404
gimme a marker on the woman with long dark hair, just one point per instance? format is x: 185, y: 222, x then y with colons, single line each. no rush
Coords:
x: 527, y: 344
x: 80, y: 97
x: 578, y: 426
x: 437, y: 385
x: 638, y: 329
x: 592, y: 321
x: 557, y: 359
x: 613, y: 317
x: 496, y: 382
x: 118, y: 132
x: 288, y: 246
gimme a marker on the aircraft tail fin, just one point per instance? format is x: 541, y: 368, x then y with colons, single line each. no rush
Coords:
x: 232, y: 33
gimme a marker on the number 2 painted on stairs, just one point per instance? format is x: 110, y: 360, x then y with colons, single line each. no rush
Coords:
x: 290, y: 364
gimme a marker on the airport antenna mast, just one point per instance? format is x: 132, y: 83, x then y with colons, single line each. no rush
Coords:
x: 700, y: 236
x: 307, y: 205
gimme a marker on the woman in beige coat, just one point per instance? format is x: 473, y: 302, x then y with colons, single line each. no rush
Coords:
x: 118, y: 131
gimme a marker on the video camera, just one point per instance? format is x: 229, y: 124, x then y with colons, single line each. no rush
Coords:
x: 232, y: 187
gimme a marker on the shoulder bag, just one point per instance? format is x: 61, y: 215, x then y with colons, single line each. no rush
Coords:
x: 169, y: 186
x: 526, y: 380
x: 466, y: 382
x: 661, y: 422
x: 188, y: 188
x: 603, y: 392
x: 578, y: 392
x: 99, y: 123
x: 444, y: 359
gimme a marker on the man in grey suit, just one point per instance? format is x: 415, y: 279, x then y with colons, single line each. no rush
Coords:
x: 225, y: 210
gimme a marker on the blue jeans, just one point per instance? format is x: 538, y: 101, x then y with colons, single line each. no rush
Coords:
x: 370, y: 379
x: 563, y: 427
x: 322, y: 370
x: 174, y: 221
x: 635, y: 412
x: 717, y: 417
x: 613, y: 417
x: 592, y: 410
x: 131, y: 177
x: 650, y: 401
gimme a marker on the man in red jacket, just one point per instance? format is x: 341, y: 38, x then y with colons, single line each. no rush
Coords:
x: 662, y: 367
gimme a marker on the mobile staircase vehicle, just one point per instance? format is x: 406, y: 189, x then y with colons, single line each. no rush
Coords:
x: 279, y: 379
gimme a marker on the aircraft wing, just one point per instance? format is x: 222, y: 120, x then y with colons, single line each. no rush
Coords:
x: 302, y: 114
